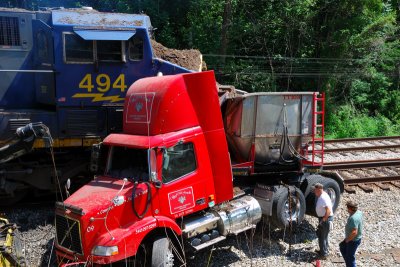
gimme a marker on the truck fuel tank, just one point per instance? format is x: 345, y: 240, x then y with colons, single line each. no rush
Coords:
x: 238, y: 215
x: 231, y: 217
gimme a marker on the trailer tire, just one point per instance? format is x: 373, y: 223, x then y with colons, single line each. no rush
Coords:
x: 162, y: 255
x: 330, y: 186
x: 281, y: 216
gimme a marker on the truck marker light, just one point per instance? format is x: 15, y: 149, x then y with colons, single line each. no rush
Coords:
x: 105, y: 251
x: 211, y: 202
x: 118, y: 200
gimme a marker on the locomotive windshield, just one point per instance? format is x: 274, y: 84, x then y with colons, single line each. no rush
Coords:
x: 128, y: 163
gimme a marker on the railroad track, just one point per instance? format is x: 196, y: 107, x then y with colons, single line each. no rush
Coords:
x: 365, y: 162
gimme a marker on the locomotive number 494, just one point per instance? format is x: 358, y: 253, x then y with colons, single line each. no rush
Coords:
x: 102, y: 83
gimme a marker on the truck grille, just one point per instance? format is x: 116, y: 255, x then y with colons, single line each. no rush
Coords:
x: 68, y: 234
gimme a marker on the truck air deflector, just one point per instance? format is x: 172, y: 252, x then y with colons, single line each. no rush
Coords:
x: 105, y: 35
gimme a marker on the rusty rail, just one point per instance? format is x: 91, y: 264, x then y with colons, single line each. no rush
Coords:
x: 362, y: 173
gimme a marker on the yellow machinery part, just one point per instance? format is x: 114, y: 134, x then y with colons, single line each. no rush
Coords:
x: 9, y: 257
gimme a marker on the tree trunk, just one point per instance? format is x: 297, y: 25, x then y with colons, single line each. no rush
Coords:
x: 225, y: 25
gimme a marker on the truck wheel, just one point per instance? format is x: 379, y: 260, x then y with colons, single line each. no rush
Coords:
x: 162, y: 255
x: 330, y: 186
x: 288, y: 210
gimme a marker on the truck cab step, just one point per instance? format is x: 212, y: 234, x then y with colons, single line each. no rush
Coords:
x: 253, y: 226
x: 209, y: 243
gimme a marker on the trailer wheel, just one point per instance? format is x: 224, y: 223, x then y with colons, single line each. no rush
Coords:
x: 288, y: 210
x: 162, y: 255
x: 330, y: 186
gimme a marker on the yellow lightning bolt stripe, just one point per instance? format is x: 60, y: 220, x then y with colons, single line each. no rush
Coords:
x: 99, y: 97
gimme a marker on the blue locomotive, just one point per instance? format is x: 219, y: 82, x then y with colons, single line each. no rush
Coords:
x: 68, y: 69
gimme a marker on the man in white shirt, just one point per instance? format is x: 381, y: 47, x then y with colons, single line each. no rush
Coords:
x: 324, y: 211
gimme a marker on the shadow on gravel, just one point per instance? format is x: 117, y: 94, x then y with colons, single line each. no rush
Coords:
x: 253, y: 244
x: 30, y: 218
x: 219, y: 256
x: 261, y: 243
x: 49, y: 257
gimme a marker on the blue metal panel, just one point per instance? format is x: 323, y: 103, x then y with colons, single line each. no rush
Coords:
x: 105, y: 35
x: 44, y: 61
x: 70, y: 77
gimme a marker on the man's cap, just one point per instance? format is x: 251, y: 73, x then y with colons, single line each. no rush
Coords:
x: 318, y: 185
x: 351, y: 204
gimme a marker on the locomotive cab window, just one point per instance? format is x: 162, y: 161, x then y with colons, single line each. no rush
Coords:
x: 77, y: 50
x: 136, y: 48
x: 110, y: 51
x: 178, y: 161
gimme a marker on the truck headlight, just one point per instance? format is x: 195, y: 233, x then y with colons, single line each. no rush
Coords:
x: 105, y: 251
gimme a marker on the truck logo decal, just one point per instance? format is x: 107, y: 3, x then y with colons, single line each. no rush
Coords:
x: 181, y: 200
x: 139, y: 108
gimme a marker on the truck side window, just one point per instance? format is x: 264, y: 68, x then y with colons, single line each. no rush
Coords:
x: 178, y: 161
x: 136, y: 48
x: 109, y: 50
x: 77, y: 50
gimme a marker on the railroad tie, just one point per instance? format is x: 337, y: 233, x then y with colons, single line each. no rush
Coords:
x: 366, y: 188
x: 383, y: 186
x: 349, y: 189
x: 396, y: 184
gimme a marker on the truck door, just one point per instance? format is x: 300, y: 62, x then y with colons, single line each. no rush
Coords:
x: 43, y: 63
x: 184, y: 189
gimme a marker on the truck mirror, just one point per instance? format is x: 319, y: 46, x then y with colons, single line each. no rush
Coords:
x: 152, y: 156
x: 94, y: 157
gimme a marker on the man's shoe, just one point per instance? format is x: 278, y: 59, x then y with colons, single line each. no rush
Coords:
x: 323, y: 257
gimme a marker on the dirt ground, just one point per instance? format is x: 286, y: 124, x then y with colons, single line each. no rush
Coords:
x: 190, y: 59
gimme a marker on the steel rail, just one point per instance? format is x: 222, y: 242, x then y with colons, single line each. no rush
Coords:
x: 357, y: 164
x: 366, y: 139
x: 360, y: 148
x: 349, y: 166
x: 369, y: 180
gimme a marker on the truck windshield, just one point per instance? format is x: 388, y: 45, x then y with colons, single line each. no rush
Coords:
x: 128, y: 163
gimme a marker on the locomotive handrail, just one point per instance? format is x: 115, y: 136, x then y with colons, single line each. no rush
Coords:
x: 46, y: 71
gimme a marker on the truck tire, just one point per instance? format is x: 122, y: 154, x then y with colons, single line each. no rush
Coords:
x: 282, y: 213
x: 330, y: 186
x: 162, y: 255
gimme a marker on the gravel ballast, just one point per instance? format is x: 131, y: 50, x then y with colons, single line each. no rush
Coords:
x: 266, y: 247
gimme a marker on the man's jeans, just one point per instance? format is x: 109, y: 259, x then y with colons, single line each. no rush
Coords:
x: 348, y: 251
x: 322, y: 234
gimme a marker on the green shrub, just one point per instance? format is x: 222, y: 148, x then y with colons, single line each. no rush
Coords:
x: 347, y: 122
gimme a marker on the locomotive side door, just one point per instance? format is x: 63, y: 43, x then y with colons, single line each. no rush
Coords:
x: 43, y: 57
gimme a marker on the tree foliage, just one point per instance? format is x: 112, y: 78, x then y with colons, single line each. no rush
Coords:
x: 348, y: 48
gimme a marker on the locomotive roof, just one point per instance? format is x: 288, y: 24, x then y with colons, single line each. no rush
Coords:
x: 82, y: 17
x: 91, y: 18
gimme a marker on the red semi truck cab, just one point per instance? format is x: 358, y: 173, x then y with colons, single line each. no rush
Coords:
x: 168, y: 175
x: 173, y: 132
